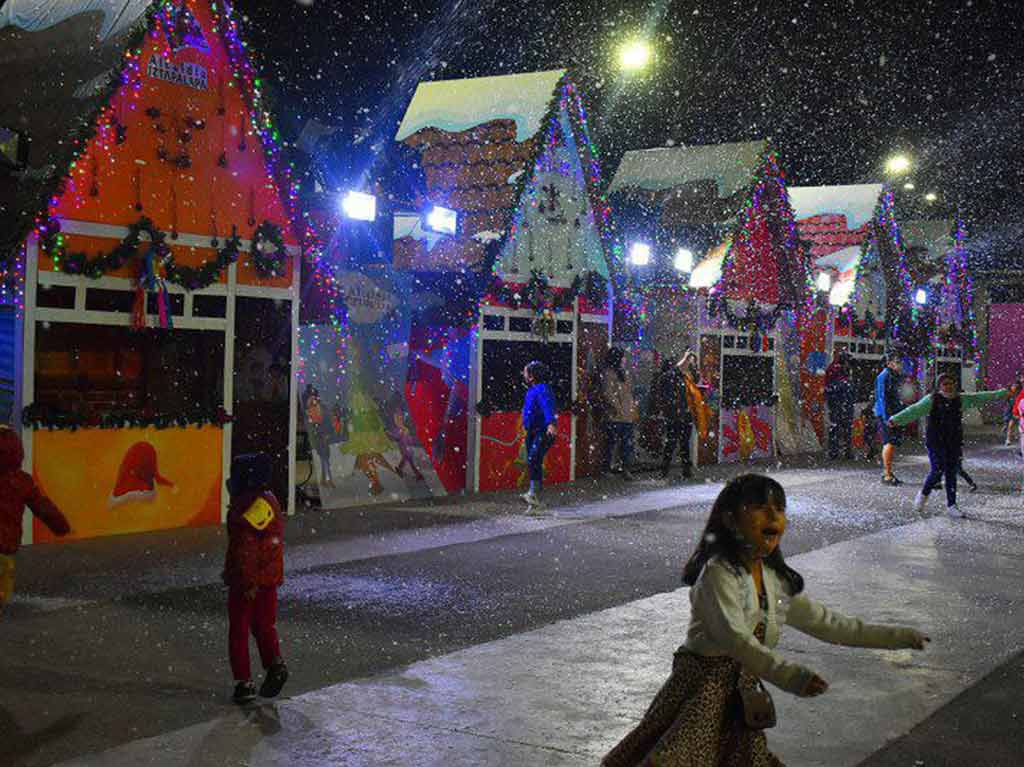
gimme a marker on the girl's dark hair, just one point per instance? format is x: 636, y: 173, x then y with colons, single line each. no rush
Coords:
x: 719, y: 540
x: 538, y: 371
x: 936, y: 396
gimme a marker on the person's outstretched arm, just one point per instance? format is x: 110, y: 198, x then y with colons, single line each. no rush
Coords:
x: 913, y: 412
x: 813, y: 619
x: 977, y: 399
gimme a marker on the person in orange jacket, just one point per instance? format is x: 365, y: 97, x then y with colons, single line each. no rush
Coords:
x: 18, y: 490
x: 253, y: 569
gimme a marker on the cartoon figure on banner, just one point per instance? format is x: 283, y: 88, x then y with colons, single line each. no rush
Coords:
x: 402, y: 436
x: 319, y: 437
x: 367, y: 438
x: 748, y: 432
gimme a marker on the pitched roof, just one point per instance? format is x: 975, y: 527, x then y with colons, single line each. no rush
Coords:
x: 730, y: 166
x: 457, y: 105
x: 50, y: 53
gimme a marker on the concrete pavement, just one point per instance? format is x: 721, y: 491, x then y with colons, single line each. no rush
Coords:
x: 564, y: 693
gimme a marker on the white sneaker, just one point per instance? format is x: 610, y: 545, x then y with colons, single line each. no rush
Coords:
x: 920, y: 502
x: 531, y: 499
x: 954, y: 512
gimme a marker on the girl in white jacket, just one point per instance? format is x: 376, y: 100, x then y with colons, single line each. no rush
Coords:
x: 742, y: 592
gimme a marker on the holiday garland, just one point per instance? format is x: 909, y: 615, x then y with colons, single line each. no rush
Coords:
x: 38, y: 416
x: 268, y: 251
x: 51, y: 243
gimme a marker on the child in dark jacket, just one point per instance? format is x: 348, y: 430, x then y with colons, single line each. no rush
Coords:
x: 540, y: 424
x: 944, y: 435
x: 18, y: 490
x: 253, y: 569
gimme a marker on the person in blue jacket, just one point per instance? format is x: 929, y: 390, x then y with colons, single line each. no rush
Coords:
x: 888, y: 404
x: 540, y: 424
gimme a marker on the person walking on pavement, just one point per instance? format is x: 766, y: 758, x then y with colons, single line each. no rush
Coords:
x: 540, y: 423
x: 839, y: 397
x: 622, y: 415
x: 1009, y: 417
x: 673, y: 405
x: 713, y: 709
x: 253, y: 569
x: 887, y: 404
x: 944, y: 435
x: 19, y: 490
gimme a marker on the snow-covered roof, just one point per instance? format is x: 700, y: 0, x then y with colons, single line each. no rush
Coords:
x: 855, y: 201
x: 729, y: 165
x: 37, y: 15
x: 457, y: 105
x: 842, y: 260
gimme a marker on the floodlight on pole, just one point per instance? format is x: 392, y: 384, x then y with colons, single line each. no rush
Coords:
x: 640, y: 254
x: 684, y: 261
x: 897, y: 164
x: 634, y: 55
x: 442, y: 220
x: 824, y: 282
x: 359, y: 206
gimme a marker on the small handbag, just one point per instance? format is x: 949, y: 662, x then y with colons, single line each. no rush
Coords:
x: 758, y: 707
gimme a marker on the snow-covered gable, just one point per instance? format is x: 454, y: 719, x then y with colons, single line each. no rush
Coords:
x: 37, y: 15
x: 458, y: 105
x: 855, y: 201
x: 555, y: 231
x: 730, y: 166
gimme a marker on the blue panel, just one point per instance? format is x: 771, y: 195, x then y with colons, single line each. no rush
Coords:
x: 8, y: 367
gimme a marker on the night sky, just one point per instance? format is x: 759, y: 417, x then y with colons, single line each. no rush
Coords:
x: 837, y: 86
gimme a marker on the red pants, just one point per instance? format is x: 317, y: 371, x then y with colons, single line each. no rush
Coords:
x: 258, y: 615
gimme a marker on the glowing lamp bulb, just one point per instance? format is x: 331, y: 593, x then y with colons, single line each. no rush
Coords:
x: 897, y: 164
x: 634, y: 55
x: 443, y: 220
x: 921, y: 296
x: 640, y: 254
x: 359, y: 206
x: 931, y: 197
x: 824, y: 282
x: 684, y: 260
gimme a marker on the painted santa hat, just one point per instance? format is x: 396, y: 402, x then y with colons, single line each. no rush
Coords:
x: 138, y: 476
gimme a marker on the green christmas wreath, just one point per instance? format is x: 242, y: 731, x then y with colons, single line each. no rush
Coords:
x: 268, y: 251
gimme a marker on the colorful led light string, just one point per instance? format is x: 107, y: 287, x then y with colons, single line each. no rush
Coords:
x: 336, y: 332
x: 958, y: 294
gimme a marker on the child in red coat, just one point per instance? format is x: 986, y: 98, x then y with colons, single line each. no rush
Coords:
x: 253, y: 569
x: 18, y: 490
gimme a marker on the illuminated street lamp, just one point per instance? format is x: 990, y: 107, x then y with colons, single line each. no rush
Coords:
x: 634, y: 55
x: 684, y: 261
x: 897, y: 165
x: 640, y: 254
x: 909, y: 186
x: 359, y: 206
x: 931, y: 197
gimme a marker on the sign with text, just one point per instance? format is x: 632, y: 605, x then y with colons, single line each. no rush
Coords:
x: 185, y: 73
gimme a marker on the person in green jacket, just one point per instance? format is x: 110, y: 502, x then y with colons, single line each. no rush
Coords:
x: 944, y: 434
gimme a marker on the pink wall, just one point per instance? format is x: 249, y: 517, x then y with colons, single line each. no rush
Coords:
x: 1005, y: 343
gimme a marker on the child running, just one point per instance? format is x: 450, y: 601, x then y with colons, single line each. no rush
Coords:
x: 742, y: 593
x: 18, y: 490
x: 944, y: 435
x: 540, y: 424
x: 253, y: 569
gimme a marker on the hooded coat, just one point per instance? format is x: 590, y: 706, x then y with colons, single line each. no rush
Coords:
x: 18, y: 490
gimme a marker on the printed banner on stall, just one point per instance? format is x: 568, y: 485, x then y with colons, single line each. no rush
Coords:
x: 110, y: 481
x: 364, y: 441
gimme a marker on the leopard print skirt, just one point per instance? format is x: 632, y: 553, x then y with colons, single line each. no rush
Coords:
x: 696, y: 720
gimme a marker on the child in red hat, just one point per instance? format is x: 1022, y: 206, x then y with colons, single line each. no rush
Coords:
x: 18, y: 490
x: 253, y: 569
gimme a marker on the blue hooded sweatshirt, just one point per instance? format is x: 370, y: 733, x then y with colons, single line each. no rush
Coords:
x: 539, y: 408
